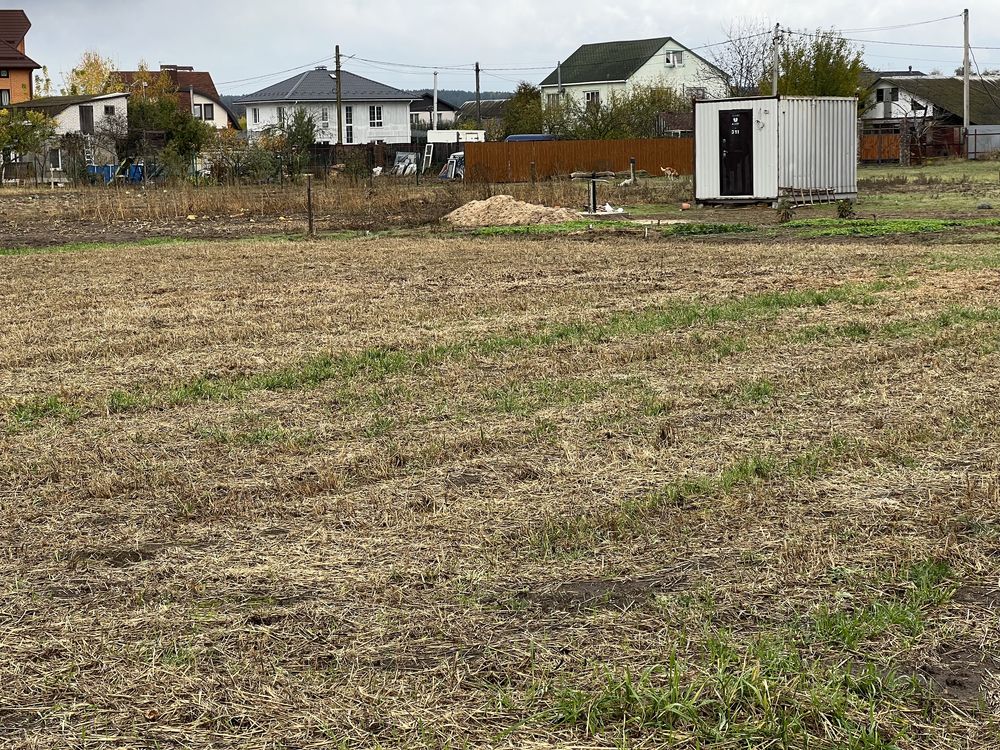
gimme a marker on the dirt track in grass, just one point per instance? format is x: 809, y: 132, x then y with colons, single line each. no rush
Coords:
x: 421, y: 492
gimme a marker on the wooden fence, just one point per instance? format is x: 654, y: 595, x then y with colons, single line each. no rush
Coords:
x: 879, y: 147
x: 527, y: 160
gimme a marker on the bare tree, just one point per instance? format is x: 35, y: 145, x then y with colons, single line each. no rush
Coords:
x: 745, y: 55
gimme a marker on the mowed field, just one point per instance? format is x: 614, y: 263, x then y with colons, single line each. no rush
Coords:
x: 440, y: 492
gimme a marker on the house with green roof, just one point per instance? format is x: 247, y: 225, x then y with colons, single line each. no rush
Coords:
x: 595, y: 71
x: 896, y: 99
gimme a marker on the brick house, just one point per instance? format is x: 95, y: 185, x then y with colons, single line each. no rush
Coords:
x: 16, y: 68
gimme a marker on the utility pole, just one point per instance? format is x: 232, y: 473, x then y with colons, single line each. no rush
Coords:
x: 559, y: 77
x: 774, y: 59
x: 434, y: 122
x: 479, y: 103
x: 965, y: 76
x: 340, y: 99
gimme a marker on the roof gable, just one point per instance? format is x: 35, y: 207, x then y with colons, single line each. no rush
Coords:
x: 320, y: 85
x: 12, y: 57
x: 947, y: 93
x: 612, y: 61
x: 14, y: 26
x: 55, y: 105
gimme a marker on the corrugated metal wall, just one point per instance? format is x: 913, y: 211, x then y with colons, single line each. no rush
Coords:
x: 818, y: 145
x: 984, y: 141
x: 707, y: 158
x: 511, y: 162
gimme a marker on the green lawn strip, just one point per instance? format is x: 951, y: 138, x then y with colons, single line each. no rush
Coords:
x: 378, y: 363
x: 781, y: 687
x: 882, y: 227
x: 697, y: 229
x: 582, y: 225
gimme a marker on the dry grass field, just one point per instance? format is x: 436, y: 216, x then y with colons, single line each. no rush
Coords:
x: 429, y: 492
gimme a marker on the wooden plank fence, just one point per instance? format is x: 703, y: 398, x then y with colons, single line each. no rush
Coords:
x: 527, y: 160
x: 879, y: 147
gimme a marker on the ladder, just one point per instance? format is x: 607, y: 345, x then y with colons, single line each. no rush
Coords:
x: 88, y: 150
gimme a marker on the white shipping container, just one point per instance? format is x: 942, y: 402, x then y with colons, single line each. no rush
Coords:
x: 764, y: 148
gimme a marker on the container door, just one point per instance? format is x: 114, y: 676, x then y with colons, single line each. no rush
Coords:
x: 86, y: 119
x: 736, y: 155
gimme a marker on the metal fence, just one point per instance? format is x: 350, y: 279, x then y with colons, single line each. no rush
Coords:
x: 984, y: 141
x: 537, y: 160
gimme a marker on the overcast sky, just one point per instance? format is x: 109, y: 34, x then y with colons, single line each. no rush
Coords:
x: 237, y: 40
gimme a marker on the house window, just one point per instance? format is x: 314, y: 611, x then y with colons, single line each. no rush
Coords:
x: 208, y: 112
x: 552, y: 99
x: 109, y: 111
x: 255, y: 115
x: 675, y: 58
x: 375, y: 116
x: 4, y: 97
x: 4, y: 74
x: 324, y: 117
x: 414, y: 118
x: 887, y: 95
x: 696, y: 92
x: 349, y: 122
x: 197, y: 111
x: 55, y: 159
x: 593, y: 99
x: 916, y: 106
x: 281, y: 116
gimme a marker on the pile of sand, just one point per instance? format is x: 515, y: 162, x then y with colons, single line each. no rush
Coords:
x: 505, y: 210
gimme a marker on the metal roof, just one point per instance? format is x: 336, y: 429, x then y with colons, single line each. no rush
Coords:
x: 946, y: 92
x: 610, y: 61
x: 320, y: 85
x: 14, y: 25
x: 12, y: 57
x: 53, y: 105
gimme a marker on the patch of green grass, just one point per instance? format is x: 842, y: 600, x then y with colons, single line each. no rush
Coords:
x: 583, y: 225
x: 883, y: 227
x: 926, y: 585
x: 697, y: 229
x: 755, y: 391
x: 764, y: 694
x: 27, y: 414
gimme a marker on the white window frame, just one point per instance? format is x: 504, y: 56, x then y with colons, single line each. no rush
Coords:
x: 349, y: 124
x: 255, y: 115
x: 324, y: 117
x: 58, y: 152
x: 5, y: 94
x: 592, y: 98
x: 675, y: 58
x: 281, y: 117
x: 375, y: 116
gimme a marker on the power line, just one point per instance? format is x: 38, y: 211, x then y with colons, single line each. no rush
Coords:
x: 900, y: 25
x: 895, y: 44
x: 276, y: 73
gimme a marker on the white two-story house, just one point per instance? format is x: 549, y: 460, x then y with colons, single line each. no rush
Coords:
x: 595, y: 71
x: 372, y: 112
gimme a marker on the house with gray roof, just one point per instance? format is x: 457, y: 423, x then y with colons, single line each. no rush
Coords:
x: 894, y: 99
x: 595, y: 72
x: 372, y: 112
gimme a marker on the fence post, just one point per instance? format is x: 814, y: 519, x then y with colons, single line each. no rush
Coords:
x: 309, y: 204
x: 534, y: 173
x: 631, y: 168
